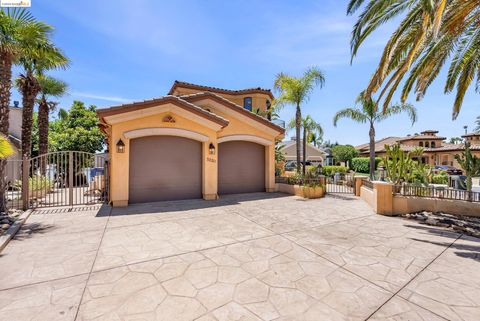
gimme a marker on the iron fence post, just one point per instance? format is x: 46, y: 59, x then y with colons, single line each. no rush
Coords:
x: 70, y: 178
x: 25, y: 183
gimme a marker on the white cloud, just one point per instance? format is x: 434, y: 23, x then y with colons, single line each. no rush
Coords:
x: 102, y: 97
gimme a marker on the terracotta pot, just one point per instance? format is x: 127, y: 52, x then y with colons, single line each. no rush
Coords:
x: 313, y: 192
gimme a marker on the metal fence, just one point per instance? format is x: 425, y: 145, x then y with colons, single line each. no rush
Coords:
x: 57, y: 179
x: 436, y: 192
x: 300, y: 181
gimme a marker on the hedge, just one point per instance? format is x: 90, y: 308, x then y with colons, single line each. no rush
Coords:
x: 362, y: 164
x: 330, y: 170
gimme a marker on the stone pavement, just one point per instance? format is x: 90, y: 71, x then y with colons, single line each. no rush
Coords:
x: 244, y: 257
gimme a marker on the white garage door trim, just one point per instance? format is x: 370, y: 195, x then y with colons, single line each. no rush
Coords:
x: 156, y: 131
x: 248, y: 138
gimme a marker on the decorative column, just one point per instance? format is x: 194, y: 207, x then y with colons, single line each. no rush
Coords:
x: 210, y: 170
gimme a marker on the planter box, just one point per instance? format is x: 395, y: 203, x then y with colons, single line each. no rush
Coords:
x: 313, y: 192
x: 297, y: 190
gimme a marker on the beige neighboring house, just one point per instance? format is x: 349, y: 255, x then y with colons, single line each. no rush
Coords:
x: 15, y: 137
x: 435, y: 150
x: 315, y: 155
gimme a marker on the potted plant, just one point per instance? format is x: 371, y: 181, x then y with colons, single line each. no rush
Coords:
x: 313, y: 189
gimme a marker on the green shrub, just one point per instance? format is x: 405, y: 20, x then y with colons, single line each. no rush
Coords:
x: 440, y: 178
x: 36, y: 183
x: 362, y: 164
x: 330, y: 170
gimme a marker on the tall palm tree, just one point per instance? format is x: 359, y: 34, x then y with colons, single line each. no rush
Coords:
x: 43, y: 55
x: 18, y: 30
x: 308, y: 126
x: 369, y: 113
x: 296, y: 91
x: 430, y: 35
x: 49, y: 87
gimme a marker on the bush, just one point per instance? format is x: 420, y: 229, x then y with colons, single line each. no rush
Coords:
x: 362, y: 164
x: 440, y: 178
x: 330, y: 170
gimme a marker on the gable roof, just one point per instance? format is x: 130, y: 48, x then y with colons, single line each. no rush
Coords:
x: 288, y: 144
x: 184, y: 84
x: 379, y: 144
x: 227, y: 103
x: 125, y: 108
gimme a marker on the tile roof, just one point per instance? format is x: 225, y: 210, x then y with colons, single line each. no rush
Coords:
x: 119, y: 109
x: 379, y: 144
x: 238, y: 108
x: 184, y: 84
x: 420, y: 137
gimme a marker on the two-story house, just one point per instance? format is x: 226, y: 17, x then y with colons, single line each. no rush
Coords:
x: 195, y: 142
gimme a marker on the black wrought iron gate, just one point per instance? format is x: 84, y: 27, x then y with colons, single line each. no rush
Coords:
x: 342, y: 183
x: 57, y: 179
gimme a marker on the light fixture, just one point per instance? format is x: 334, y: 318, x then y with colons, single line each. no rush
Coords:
x: 120, y: 146
x: 211, y: 149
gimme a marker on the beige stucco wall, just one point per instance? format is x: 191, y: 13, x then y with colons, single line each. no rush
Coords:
x: 119, y: 165
x: 405, y: 205
x: 367, y: 195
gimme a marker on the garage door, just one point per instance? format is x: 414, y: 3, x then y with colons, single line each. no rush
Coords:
x: 241, y: 167
x: 164, y: 168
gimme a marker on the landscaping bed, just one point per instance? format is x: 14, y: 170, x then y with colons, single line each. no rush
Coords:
x: 7, y: 219
x: 463, y: 224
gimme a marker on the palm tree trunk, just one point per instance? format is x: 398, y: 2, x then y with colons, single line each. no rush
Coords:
x: 30, y: 89
x: 304, y: 142
x: 43, y: 111
x: 5, y: 87
x: 372, y: 151
x: 298, y: 124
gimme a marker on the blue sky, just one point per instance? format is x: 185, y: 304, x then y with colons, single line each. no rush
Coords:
x: 134, y: 50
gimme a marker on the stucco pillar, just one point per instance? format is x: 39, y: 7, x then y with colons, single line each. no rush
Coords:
x: 270, y: 168
x: 358, y: 185
x: 119, y: 170
x: 383, y: 198
x: 210, y: 171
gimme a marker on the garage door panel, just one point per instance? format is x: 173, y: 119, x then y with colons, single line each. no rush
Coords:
x: 241, y: 167
x: 164, y: 168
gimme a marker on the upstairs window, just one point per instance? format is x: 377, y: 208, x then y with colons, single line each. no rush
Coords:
x: 247, y: 103
x: 427, y: 145
x: 420, y: 144
x: 432, y: 144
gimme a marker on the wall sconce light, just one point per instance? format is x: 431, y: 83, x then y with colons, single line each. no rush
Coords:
x: 120, y: 146
x: 211, y: 149
x: 381, y: 170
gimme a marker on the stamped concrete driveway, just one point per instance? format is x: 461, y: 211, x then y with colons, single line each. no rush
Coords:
x: 245, y: 257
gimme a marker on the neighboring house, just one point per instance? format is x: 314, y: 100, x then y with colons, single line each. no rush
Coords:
x: 435, y: 150
x: 314, y: 154
x: 13, y: 170
x: 196, y: 142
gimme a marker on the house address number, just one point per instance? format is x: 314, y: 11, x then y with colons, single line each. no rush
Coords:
x: 211, y: 160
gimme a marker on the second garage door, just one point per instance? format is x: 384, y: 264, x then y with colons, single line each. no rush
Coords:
x: 241, y: 167
x: 164, y: 168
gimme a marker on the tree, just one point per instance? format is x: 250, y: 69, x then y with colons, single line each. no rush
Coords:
x: 43, y: 55
x: 308, y: 127
x: 368, y: 113
x: 77, y: 130
x: 431, y: 34
x: 49, y: 87
x: 470, y: 164
x: 18, y: 30
x: 296, y: 91
x: 455, y: 140
x: 344, y: 153
x: 315, y: 139
x: 6, y: 148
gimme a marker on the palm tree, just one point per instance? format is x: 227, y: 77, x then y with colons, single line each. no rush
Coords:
x: 430, y: 35
x: 49, y: 87
x: 368, y: 113
x: 18, y: 29
x: 309, y: 127
x: 315, y: 139
x: 43, y: 55
x: 296, y: 91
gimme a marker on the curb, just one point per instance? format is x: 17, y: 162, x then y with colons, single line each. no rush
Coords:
x: 10, y: 233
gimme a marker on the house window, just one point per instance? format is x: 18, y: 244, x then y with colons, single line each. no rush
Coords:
x: 432, y: 145
x: 247, y: 103
x: 427, y: 145
x: 420, y: 144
